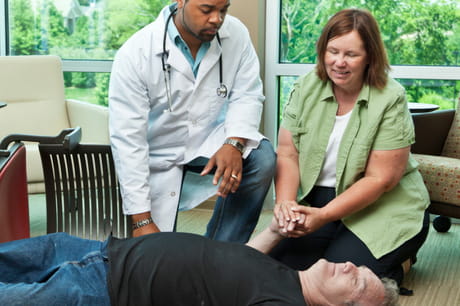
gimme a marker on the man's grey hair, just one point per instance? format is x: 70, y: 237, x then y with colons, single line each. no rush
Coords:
x: 391, y: 292
x: 390, y: 297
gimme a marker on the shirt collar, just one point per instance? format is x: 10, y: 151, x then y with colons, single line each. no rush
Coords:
x: 363, y: 97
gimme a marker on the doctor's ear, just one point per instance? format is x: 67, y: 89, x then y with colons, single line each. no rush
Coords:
x: 180, y: 3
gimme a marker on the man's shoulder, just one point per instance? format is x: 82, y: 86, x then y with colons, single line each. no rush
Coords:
x: 233, y: 27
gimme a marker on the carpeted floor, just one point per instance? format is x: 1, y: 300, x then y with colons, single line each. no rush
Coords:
x: 435, y: 278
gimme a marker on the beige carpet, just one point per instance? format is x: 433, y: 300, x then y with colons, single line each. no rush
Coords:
x: 435, y: 278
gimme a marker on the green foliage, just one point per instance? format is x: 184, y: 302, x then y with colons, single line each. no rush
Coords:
x: 102, y: 81
x: 40, y: 28
x: 24, y: 38
x: 433, y: 98
x: 415, y: 32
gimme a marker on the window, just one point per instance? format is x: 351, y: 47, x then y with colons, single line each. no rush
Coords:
x: 85, y: 33
x: 422, y: 38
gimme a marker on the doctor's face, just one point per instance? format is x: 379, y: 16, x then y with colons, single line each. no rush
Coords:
x: 201, y: 19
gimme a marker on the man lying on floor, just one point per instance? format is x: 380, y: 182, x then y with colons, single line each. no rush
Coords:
x: 176, y: 269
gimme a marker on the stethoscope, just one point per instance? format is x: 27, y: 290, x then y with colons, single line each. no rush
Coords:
x: 221, y: 90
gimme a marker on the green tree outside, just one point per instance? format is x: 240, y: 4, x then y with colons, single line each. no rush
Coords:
x: 431, y: 36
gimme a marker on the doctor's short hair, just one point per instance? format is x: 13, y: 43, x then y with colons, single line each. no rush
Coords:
x: 344, y: 22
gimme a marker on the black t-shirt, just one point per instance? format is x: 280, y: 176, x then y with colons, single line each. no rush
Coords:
x: 187, y: 270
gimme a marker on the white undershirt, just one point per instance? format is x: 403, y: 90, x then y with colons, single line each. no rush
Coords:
x: 327, y: 176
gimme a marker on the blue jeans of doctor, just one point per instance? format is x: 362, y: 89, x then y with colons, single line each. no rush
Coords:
x: 55, y: 269
x: 236, y: 215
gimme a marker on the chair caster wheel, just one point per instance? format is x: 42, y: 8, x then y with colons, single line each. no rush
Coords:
x: 441, y: 224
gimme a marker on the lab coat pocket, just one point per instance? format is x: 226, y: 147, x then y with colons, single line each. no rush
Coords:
x: 212, y: 107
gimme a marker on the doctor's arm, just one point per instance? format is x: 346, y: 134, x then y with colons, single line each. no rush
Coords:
x: 128, y: 120
x: 245, y: 102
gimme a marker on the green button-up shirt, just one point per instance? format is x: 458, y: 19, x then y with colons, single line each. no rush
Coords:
x: 380, y: 120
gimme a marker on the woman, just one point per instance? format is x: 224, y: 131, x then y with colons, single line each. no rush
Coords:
x: 344, y: 153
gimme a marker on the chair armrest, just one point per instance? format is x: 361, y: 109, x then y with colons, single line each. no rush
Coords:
x: 431, y: 131
x: 93, y: 120
x: 440, y: 175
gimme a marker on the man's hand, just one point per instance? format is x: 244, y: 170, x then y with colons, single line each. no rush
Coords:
x: 146, y: 229
x: 229, y: 169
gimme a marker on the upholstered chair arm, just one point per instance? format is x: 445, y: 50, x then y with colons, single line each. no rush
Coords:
x: 92, y: 118
x: 441, y: 175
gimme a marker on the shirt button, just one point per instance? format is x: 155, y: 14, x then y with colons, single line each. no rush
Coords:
x: 173, y: 194
x: 194, y: 122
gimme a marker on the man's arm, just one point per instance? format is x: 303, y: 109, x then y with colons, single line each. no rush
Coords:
x: 267, y: 239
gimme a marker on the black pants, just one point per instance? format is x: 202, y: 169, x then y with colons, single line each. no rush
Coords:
x: 336, y: 243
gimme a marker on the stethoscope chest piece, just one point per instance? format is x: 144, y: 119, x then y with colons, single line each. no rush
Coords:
x: 222, y: 91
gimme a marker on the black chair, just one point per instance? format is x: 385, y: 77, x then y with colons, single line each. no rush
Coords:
x: 82, y: 191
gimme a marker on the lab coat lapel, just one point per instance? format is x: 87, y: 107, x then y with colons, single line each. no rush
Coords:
x: 209, y: 61
x: 178, y: 61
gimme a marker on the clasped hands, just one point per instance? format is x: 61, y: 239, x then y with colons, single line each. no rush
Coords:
x: 293, y: 220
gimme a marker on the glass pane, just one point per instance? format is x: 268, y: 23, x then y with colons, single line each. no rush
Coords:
x: 440, y: 92
x: 285, y: 86
x: 77, y: 29
x: 88, y: 87
x: 422, y: 32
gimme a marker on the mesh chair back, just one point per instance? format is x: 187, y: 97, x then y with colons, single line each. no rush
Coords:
x: 82, y: 191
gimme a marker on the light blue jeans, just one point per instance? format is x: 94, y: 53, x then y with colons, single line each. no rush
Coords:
x: 55, y: 269
x: 236, y: 215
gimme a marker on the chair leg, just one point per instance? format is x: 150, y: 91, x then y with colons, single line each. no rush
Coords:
x: 441, y: 224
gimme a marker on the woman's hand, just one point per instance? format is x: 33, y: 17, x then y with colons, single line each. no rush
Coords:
x: 287, y: 219
x: 314, y: 219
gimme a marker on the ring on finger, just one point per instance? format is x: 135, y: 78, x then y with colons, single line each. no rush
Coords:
x: 234, y: 176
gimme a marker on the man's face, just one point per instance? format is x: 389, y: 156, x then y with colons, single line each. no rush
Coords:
x: 202, y: 18
x: 344, y: 282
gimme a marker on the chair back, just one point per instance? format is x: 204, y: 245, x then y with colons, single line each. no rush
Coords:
x: 33, y: 88
x: 452, y: 145
x: 82, y: 191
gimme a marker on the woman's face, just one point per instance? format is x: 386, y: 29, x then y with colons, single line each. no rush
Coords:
x: 346, y: 60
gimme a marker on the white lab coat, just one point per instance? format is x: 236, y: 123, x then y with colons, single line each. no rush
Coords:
x: 151, y: 145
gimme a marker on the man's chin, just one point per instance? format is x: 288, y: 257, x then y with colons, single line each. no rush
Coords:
x: 207, y: 37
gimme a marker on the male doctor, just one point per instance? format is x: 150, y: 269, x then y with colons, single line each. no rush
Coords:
x: 185, y: 94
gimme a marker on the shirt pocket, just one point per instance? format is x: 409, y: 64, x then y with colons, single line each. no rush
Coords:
x: 357, y: 159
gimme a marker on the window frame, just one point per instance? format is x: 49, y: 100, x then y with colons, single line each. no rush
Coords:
x: 274, y: 70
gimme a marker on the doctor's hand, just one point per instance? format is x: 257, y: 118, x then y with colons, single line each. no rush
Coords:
x: 229, y: 167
